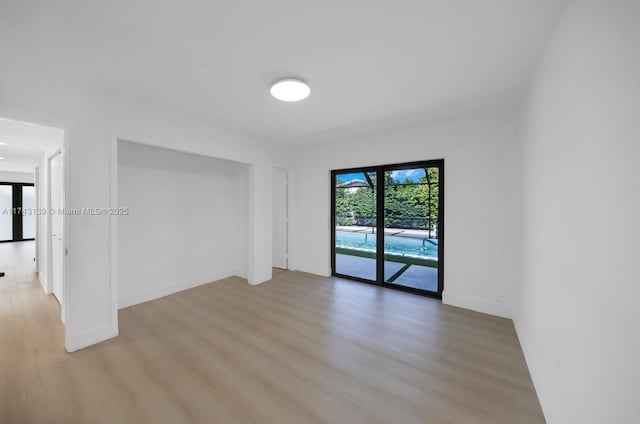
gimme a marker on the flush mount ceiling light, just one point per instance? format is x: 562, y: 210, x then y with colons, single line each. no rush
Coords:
x: 290, y: 90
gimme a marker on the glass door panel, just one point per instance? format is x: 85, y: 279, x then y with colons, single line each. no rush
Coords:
x: 355, y: 218
x: 411, y: 217
x: 6, y: 212
x: 28, y: 211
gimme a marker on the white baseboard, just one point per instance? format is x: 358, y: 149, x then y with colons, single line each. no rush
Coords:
x: 43, y: 282
x: 81, y: 339
x: 539, y: 381
x: 324, y: 272
x: 162, y: 290
x: 475, y: 304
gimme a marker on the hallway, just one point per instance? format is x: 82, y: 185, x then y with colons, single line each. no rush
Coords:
x: 31, y: 333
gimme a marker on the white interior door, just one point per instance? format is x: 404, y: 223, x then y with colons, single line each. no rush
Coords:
x: 37, y: 219
x: 57, y: 225
x: 279, y: 237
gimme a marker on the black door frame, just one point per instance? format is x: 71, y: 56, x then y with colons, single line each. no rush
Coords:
x: 380, y: 193
x: 16, y: 204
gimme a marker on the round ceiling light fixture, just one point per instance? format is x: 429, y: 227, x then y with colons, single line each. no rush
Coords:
x: 290, y: 90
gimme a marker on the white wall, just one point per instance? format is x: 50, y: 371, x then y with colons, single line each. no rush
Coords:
x: 579, y: 319
x: 279, y: 211
x: 16, y: 177
x: 482, y: 214
x: 186, y: 224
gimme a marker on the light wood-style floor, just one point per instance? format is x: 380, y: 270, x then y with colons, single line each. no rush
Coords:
x: 298, y: 349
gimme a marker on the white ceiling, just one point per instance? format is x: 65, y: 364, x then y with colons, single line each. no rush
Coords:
x: 25, y: 144
x: 369, y: 62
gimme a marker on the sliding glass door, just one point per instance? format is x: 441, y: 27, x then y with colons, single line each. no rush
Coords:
x: 355, y: 224
x: 6, y: 212
x: 388, y: 225
x: 17, y: 211
x: 28, y: 212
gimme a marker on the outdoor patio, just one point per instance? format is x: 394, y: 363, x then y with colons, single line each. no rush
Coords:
x: 408, y: 275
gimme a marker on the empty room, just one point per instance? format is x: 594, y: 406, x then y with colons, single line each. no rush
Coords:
x: 347, y: 211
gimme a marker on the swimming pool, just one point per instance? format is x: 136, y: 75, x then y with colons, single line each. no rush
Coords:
x: 424, y: 248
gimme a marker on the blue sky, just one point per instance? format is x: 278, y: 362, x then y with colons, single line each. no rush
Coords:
x: 348, y: 177
x: 412, y: 174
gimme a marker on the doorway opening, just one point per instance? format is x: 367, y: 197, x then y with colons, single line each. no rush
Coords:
x: 181, y: 221
x: 388, y: 225
x: 32, y: 210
